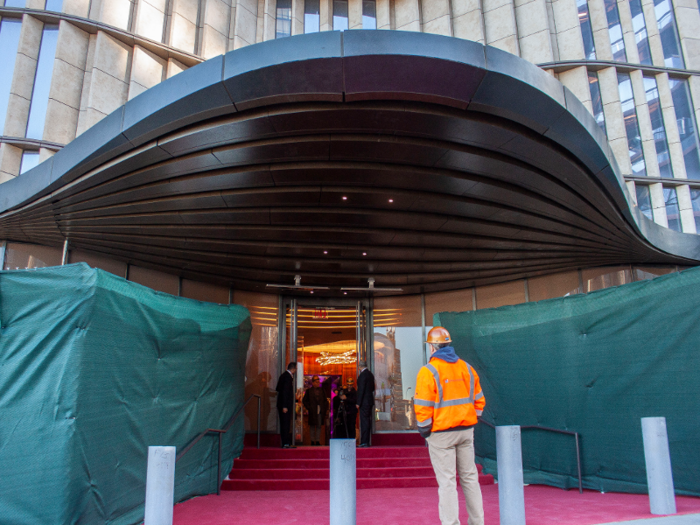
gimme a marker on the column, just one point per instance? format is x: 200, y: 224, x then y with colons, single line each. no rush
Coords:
x: 662, y: 498
x: 657, y: 52
x: 468, y: 20
x: 355, y: 14
x: 614, y: 123
x: 576, y: 79
x: 658, y: 204
x: 407, y: 15
x: 436, y: 17
x: 533, y: 31
x: 245, y: 23
x: 76, y: 7
x: 297, y: 17
x: 500, y: 26
x: 215, y: 28
x: 644, y: 122
x: 688, y: 20
x: 183, y: 25
x: 623, y: 8
x: 146, y: 71
x: 511, y: 496
x: 568, y: 28
x: 599, y: 25
x: 685, y: 206
x: 383, y: 14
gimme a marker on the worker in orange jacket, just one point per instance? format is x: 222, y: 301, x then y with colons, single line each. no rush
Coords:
x: 447, y: 402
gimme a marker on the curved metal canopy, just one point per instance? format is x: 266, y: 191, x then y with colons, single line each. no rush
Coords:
x: 425, y: 162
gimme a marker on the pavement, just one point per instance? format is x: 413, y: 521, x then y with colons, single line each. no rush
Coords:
x: 687, y: 519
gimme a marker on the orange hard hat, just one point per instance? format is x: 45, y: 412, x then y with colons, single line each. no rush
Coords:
x: 438, y: 334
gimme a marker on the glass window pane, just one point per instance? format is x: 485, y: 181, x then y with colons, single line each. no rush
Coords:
x: 54, y: 5
x: 98, y: 261
x: 550, y: 286
x: 27, y: 256
x: 687, y: 127
x: 599, y: 278
x: 9, y: 40
x: 207, y: 292
x: 644, y: 201
x: 615, y: 31
x: 284, y: 19
x: 312, y: 16
x: 586, y: 31
x: 673, y: 214
x: 340, y: 15
x: 42, y: 83
x: 398, y: 356
x: 500, y: 294
x: 640, y: 32
x: 30, y: 159
x: 643, y: 273
x: 162, y: 282
x: 670, y: 42
x: 629, y: 112
x: 657, y: 126
x: 15, y: 3
x: 456, y: 301
x: 369, y: 14
x: 596, y: 100
x: 695, y: 199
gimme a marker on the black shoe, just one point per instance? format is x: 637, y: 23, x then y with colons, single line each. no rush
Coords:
x: 363, y: 445
x: 286, y: 446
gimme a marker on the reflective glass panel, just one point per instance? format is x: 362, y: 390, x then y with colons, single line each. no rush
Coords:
x: 687, y: 126
x: 54, y: 5
x: 42, y: 83
x: 599, y: 278
x: 586, y: 31
x: 670, y: 42
x: 312, y: 16
x: 27, y: 256
x: 644, y: 201
x: 30, y: 159
x: 643, y: 273
x: 161, y: 281
x: 98, y: 261
x: 629, y: 112
x: 695, y: 199
x: 657, y: 126
x: 369, y: 14
x: 640, y: 32
x: 550, y: 286
x: 340, y: 15
x: 615, y: 31
x: 673, y: 213
x: 15, y: 3
x: 9, y: 40
x: 596, y: 100
x: 497, y: 295
x: 284, y: 19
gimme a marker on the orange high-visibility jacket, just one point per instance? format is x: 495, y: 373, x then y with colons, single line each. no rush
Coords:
x: 448, y: 395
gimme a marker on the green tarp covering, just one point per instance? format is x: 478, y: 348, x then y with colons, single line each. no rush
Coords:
x: 93, y: 370
x: 595, y: 364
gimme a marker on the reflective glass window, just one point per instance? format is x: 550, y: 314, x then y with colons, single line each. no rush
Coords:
x: 550, y: 286
x: 673, y: 213
x: 30, y: 159
x: 20, y: 256
x: 312, y: 16
x: 615, y: 31
x: 497, y: 295
x: 455, y: 301
x: 629, y: 112
x: 657, y: 126
x: 643, y: 273
x: 586, y: 31
x: 42, y: 83
x: 54, y: 5
x: 340, y: 15
x: 284, y: 19
x: 15, y: 3
x: 644, y: 201
x: 600, y: 278
x: 670, y: 42
x: 369, y: 14
x: 9, y: 40
x: 640, y: 32
x: 596, y: 99
x: 687, y: 126
x: 695, y: 199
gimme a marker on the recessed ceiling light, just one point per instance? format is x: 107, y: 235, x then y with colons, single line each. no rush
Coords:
x: 312, y: 291
x: 345, y: 293
x: 364, y: 253
x: 391, y: 200
x: 325, y: 252
x: 345, y: 198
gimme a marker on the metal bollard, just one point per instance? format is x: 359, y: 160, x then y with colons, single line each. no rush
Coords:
x: 662, y: 498
x: 343, y: 482
x: 160, y: 486
x: 511, y: 495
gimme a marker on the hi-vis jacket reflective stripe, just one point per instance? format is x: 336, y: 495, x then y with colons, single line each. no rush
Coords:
x: 448, y: 395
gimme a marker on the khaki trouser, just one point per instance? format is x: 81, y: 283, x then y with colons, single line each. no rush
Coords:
x: 451, y: 452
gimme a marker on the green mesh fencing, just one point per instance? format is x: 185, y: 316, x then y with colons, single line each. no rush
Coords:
x: 93, y: 370
x: 595, y: 364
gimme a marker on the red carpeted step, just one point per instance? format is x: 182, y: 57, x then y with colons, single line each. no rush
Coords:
x: 276, y: 484
x: 296, y: 473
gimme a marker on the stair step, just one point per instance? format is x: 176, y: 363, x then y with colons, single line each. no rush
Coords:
x: 323, y: 452
x: 362, y: 473
x: 325, y: 463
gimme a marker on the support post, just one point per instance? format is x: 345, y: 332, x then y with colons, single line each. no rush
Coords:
x: 511, y: 496
x: 662, y: 499
x: 259, y: 401
x: 343, y: 482
x: 64, y: 258
x: 160, y: 486
x: 218, y: 470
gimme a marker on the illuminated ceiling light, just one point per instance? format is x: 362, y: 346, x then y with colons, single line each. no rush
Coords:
x: 391, y: 200
x: 329, y: 358
x: 364, y: 253
x: 312, y: 291
x: 325, y: 252
x: 345, y: 198
x: 345, y: 293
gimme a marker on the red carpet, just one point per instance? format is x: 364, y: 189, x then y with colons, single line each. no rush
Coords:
x: 544, y: 506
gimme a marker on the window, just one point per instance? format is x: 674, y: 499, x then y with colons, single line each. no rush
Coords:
x: 657, y: 126
x: 596, y: 99
x: 640, y: 32
x: 312, y: 16
x: 284, y: 19
x: 42, y: 83
x: 629, y: 112
x: 369, y: 14
x: 673, y: 213
x: 644, y: 201
x: 340, y: 15
x: 30, y: 159
x: 54, y: 5
x: 16, y: 3
x: 669, y: 34
x: 687, y: 127
x: 615, y: 31
x: 9, y: 40
x: 586, y: 31
x: 695, y: 199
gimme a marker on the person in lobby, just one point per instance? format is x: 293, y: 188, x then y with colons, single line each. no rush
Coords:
x: 351, y: 404
x: 341, y: 422
x: 285, y: 404
x: 448, y: 401
x: 365, y: 402
x: 316, y: 405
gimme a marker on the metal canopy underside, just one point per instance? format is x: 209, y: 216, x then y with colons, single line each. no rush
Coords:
x: 426, y: 162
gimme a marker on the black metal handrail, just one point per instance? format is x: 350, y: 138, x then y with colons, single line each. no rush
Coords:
x: 219, y: 432
x: 558, y: 431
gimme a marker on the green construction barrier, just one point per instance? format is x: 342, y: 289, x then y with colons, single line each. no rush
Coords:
x: 93, y: 370
x: 594, y: 364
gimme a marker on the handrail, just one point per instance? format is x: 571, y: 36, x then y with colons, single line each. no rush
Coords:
x: 219, y: 431
x: 558, y: 431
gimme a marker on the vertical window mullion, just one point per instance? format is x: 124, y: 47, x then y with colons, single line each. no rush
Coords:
x: 42, y: 83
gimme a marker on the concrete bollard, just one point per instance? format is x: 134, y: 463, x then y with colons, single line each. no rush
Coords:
x: 160, y: 486
x: 662, y: 498
x: 343, y: 482
x: 511, y: 495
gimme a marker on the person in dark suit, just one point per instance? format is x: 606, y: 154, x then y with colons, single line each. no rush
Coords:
x: 351, y: 394
x: 365, y: 402
x: 285, y: 404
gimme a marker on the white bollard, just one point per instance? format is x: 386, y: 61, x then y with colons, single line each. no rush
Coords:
x: 160, y: 486
x: 662, y: 498
x: 511, y: 495
x: 343, y: 482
